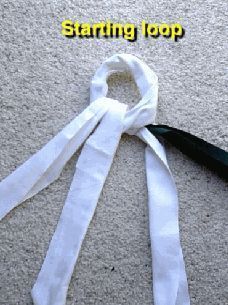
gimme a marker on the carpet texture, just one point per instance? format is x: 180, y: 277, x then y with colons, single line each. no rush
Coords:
x: 44, y: 83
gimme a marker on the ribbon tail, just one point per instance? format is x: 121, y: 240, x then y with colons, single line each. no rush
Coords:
x: 46, y: 165
x: 91, y: 171
x: 169, y: 276
x: 199, y: 150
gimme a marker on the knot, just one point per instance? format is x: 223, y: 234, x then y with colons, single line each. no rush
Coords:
x: 144, y: 112
x: 100, y: 127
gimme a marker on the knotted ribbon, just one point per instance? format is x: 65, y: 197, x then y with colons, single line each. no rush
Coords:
x: 100, y: 126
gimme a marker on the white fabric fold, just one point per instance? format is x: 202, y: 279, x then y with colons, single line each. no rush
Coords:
x: 103, y: 123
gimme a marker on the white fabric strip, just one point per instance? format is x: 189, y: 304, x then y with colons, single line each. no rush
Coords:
x: 169, y: 277
x: 91, y: 171
x: 170, y: 281
x: 46, y: 165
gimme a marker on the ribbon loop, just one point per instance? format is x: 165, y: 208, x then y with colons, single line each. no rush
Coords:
x: 145, y: 111
x: 110, y: 119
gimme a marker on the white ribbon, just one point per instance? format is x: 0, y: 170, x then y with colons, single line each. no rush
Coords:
x: 110, y: 119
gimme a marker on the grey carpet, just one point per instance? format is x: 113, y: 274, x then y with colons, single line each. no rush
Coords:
x: 44, y: 83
